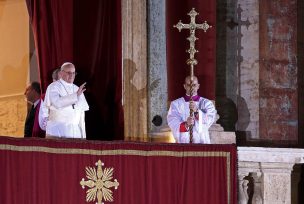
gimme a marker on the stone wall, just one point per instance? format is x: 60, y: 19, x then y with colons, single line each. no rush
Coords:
x: 278, y: 71
x: 238, y: 65
x: 260, y: 44
x: 300, y: 61
x: 12, y: 115
x: 14, y: 66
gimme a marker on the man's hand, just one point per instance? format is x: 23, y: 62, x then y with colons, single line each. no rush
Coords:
x: 189, y: 122
x: 81, y: 89
x: 192, y: 106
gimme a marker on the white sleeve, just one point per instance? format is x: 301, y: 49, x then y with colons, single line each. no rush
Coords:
x: 82, y: 125
x: 174, y: 120
x: 55, y: 99
x: 82, y: 102
x: 43, y: 115
x: 208, y: 112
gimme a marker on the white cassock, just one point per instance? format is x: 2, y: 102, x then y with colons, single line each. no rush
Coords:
x: 43, y: 115
x: 66, y: 110
x: 178, y: 114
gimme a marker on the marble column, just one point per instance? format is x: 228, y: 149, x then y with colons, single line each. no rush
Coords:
x: 277, y: 182
x: 248, y: 68
x: 134, y: 42
x: 157, y: 77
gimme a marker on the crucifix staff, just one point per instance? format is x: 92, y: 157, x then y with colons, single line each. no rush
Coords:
x: 192, y: 26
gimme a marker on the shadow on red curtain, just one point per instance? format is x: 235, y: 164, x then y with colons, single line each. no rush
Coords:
x: 177, y: 44
x: 87, y: 33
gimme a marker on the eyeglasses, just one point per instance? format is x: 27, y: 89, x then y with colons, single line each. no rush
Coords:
x: 70, y: 73
x: 193, y: 85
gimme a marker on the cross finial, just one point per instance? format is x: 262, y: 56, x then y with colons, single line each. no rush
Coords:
x: 192, y: 26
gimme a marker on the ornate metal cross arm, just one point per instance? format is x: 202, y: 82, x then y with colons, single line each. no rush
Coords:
x: 192, y: 26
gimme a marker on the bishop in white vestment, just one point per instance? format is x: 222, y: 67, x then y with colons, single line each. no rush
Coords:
x: 179, y: 118
x: 67, y: 106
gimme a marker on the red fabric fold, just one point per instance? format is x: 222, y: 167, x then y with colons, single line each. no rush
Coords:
x: 182, y: 127
x: 36, y: 171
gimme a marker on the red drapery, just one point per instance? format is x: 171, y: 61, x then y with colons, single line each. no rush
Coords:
x: 46, y: 171
x: 177, y: 44
x: 52, y: 24
x: 87, y: 33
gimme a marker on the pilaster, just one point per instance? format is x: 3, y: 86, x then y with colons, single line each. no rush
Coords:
x: 134, y: 41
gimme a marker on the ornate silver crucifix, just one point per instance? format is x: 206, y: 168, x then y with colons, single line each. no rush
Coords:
x: 192, y: 26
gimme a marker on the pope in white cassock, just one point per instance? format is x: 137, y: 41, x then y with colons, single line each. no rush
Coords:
x: 179, y: 118
x: 67, y: 106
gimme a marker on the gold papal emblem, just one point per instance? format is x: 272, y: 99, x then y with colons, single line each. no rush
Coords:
x: 99, y: 183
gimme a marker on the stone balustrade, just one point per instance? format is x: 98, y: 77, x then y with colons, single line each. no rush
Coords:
x: 264, y: 174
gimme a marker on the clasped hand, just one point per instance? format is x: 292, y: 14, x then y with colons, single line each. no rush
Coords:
x: 190, y: 121
x: 194, y: 108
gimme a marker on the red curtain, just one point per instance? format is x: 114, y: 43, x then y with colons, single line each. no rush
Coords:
x: 87, y: 33
x: 52, y: 24
x: 177, y: 44
x: 36, y: 171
